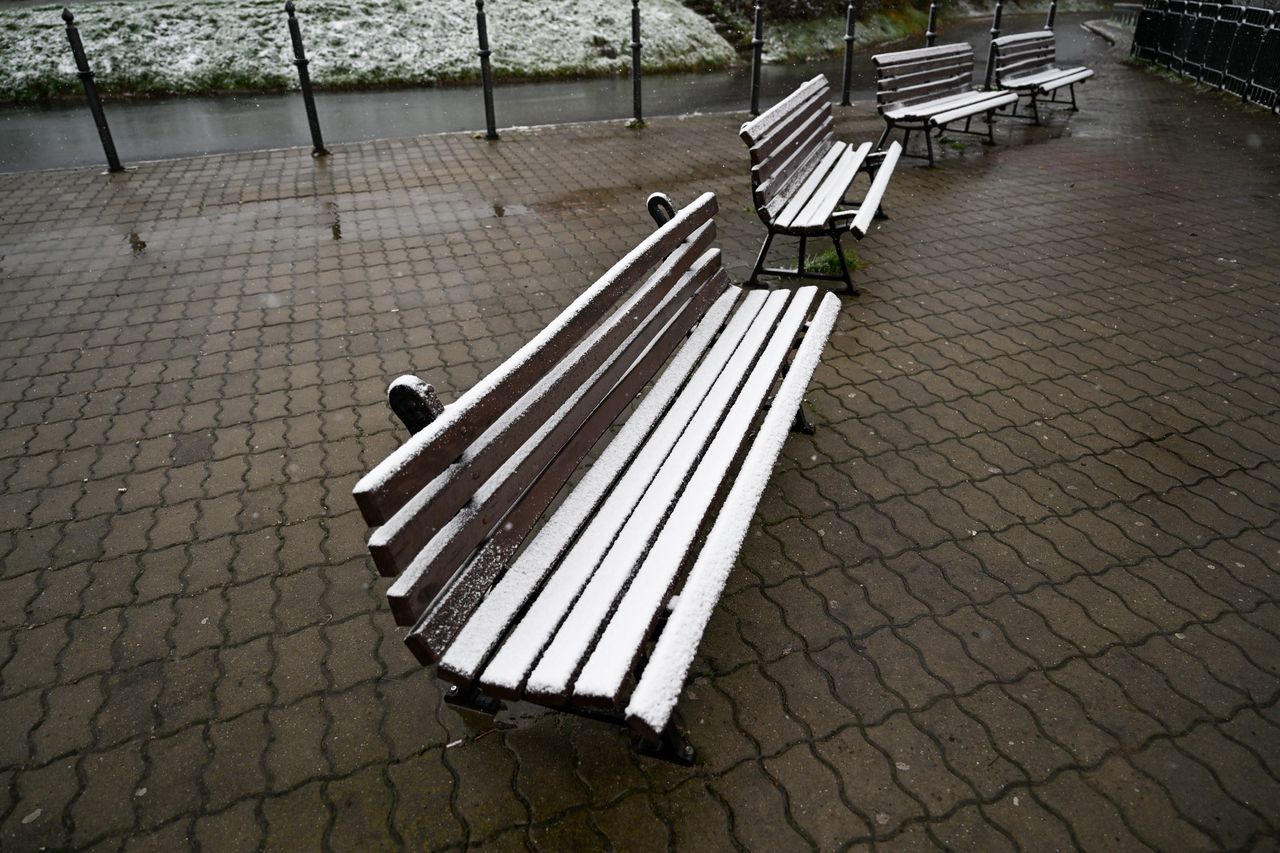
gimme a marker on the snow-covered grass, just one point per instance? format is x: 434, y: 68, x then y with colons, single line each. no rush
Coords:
x: 151, y: 48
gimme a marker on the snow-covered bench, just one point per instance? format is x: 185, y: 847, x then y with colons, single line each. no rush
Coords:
x: 800, y: 175
x: 929, y: 88
x: 1025, y: 63
x: 644, y: 541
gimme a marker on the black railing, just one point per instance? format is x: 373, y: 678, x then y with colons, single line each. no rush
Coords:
x: 1234, y: 48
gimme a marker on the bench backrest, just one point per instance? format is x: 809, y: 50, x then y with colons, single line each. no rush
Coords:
x: 472, y: 484
x: 908, y: 77
x: 787, y: 141
x: 1022, y: 53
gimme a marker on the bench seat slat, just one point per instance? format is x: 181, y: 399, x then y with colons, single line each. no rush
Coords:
x: 928, y: 108
x: 795, y: 202
x: 760, y: 127
x: 662, y: 679
x: 678, y: 496
x: 871, y: 202
x: 606, y: 552
x: 610, y: 661
x: 777, y: 178
x: 449, y: 548
x: 440, y: 625
x: 817, y: 211
x: 424, y: 456
x: 997, y: 99
x: 1047, y: 81
x: 492, y: 618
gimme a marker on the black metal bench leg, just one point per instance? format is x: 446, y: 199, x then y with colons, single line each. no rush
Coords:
x: 991, y: 129
x: 888, y: 128
x: 844, y: 267
x: 672, y: 746
x: 802, y: 422
x: 470, y: 699
x: 764, y: 250
x: 1074, y: 108
x: 1035, y: 110
x: 967, y: 122
x: 800, y: 261
x: 928, y: 141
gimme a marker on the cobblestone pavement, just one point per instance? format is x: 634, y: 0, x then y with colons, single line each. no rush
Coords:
x: 1019, y: 591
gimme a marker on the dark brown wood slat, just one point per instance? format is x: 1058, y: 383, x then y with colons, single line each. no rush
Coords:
x: 422, y: 458
x: 930, y: 91
x: 907, y: 70
x: 395, y: 545
x: 439, y: 626
x: 902, y: 81
x: 785, y: 132
x: 414, y: 589
x: 758, y: 128
x: 771, y: 179
x: 805, y: 136
x: 919, y: 56
x: 785, y: 208
x: 783, y: 188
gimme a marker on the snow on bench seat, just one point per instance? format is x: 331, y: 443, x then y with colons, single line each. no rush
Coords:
x: 563, y: 618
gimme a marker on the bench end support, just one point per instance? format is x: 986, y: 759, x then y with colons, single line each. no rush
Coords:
x: 671, y: 746
x: 414, y: 402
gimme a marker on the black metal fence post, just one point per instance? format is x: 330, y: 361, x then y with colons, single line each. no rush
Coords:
x: 91, y: 92
x: 1053, y: 10
x: 486, y: 75
x: 991, y: 51
x: 757, y: 50
x: 304, y: 79
x: 931, y: 34
x: 850, y: 21
x: 637, y: 113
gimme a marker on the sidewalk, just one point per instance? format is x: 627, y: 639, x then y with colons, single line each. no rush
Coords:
x: 1019, y: 590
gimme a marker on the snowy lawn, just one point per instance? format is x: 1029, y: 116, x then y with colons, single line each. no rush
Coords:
x: 141, y: 47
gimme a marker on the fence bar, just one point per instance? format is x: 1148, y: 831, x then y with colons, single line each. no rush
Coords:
x: 304, y: 78
x: 637, y: 114
x: 1053, y: 11
x: 486, y: 74
x: 850, y: 21
x: 757, y: 50
x: 91, y: 92
x: 931, y: 34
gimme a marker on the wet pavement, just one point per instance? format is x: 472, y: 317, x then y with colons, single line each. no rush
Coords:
x: 63, y: 134
x: 1018, y: 592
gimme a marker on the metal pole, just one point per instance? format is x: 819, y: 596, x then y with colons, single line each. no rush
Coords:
x: 995, y: 34
x: 932, y: 33
x: 757, y: 48
x: 304, y: 78
x: 1053, y: 10
x: 850, y: 21
x: 637, y: 113
x: 486, y: 75
x: 91, y: 92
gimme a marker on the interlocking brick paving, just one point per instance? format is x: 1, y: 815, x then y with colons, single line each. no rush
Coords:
x: 1019, y: 591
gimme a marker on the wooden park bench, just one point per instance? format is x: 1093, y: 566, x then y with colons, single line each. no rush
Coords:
x: 601, y: 612
x: 929, y: 88
x: 800, y: 175
x: 1024, y: 63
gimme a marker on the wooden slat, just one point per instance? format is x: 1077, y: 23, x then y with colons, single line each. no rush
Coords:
x: 493, y: 619
x: 395, y: 544
x: 817, y: 212
x: 450, y: 548
x: 679, y: 493
x: 612, y: 657
x: 442, y: 621
x: 776, y: 192
x: 1053, y: 78
x: 807, y: 112
x: 762, y: 125
x: 796, y: 201
x: 997, y: 99
x: 871, y: 201
x: 384, y: 490
x: 798, y: 147
x: 921, y: 54
x: 902, y: 81
x: 654, y: 698
x: 927, y: 108
x: 929, y: 90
